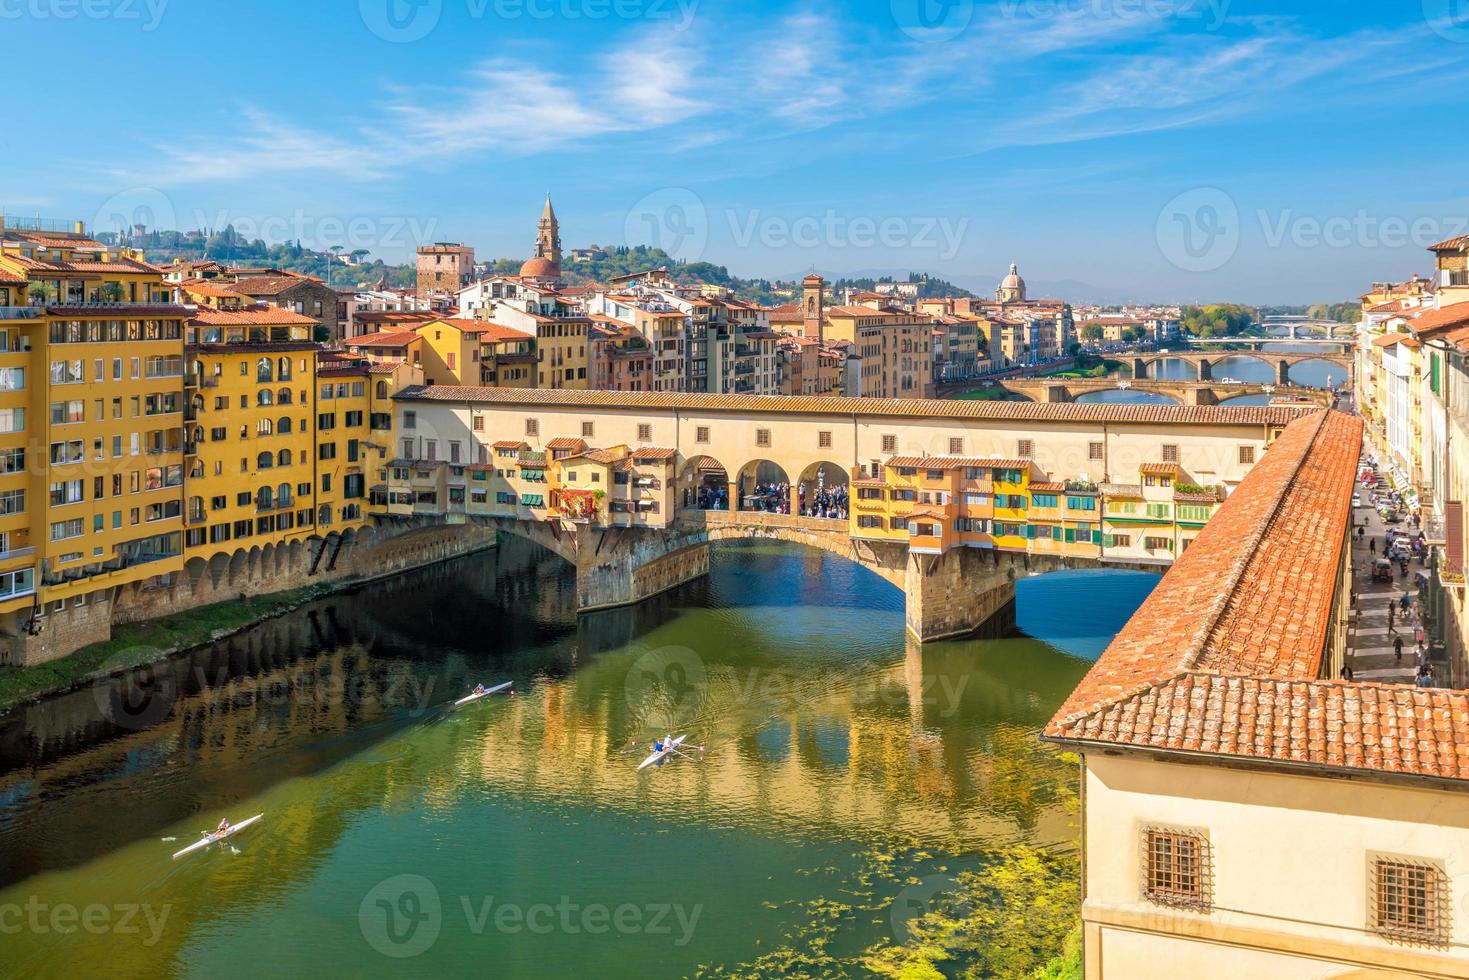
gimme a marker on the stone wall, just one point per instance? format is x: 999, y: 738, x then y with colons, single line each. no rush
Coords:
x: 355, y: 555
x: 962, y: 591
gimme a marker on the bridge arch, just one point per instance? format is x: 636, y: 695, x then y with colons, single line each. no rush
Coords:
x: 703, y: 484
x: 763, y: 485
x: 1334, y: 370
x: 821, y: 489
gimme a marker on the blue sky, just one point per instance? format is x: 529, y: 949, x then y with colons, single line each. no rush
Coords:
x: 1159, y: 149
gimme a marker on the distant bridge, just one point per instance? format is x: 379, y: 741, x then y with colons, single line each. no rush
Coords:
x: 1204, y: 362
x: 1056, y: 390
x: 1297, y: 326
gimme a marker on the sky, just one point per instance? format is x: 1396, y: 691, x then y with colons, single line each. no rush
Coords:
x: 1159, y: 150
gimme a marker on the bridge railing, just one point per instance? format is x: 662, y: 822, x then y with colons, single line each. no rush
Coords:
x: 756, y: 518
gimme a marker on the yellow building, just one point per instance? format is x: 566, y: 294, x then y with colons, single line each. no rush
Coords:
x: 896, y: 350
x: 251, y: 421
x: 91, y: 448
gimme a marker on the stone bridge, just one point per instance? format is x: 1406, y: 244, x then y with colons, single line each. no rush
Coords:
x: 963, y: 591
x: 1204, y: 362
x: 1060, y: 390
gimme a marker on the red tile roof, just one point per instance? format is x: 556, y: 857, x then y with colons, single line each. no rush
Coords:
x: 1224, y: 657
x: 566, y: 442
x: 265, y: 316
x: 958, y: 463
x: 387, y: 338
x: 1453, y: 244
x: 654, y: 453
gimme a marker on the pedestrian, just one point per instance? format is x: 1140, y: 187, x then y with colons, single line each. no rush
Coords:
x: 1425, y: 678
x: 1418, y: 634
x: 1346, y: 672
x: 1372, y: 546
x: 1392, y: 612
x: 1397, y: 649
x: 1407, y: 601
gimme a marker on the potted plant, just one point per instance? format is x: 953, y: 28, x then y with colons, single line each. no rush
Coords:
x: 41, y: 293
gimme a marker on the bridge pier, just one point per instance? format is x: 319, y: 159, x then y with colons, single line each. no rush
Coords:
x: 1139, y: 369
x: 1282, y: 373
x: 1202, y: 396
x: 1058, y: 394
x: 962, y: 591
x: 1206, y: 370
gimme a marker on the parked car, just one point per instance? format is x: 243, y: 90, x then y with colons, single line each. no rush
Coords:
x: 1356, y: 500
x: 1382, y: 570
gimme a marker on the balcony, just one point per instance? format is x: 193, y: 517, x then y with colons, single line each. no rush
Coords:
x: 15, y: 554
x: 21, y: 312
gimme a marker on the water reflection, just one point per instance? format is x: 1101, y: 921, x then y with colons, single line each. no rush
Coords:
x: 828, y: 734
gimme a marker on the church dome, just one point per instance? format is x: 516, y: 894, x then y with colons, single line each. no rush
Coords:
x: 1013, y: 280
x: 540, y: 268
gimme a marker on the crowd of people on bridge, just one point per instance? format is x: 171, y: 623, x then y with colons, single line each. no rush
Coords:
x: 773, y: 497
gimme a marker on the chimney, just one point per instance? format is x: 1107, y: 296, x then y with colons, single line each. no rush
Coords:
x: 79, y: 228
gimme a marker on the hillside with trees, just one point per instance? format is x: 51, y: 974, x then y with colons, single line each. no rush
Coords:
x: 1219, y: 320
x: 230, y: 248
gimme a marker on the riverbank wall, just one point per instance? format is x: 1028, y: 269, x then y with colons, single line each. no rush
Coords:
x: 359, y: 555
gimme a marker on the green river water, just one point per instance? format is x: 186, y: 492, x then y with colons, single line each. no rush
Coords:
x: 848, y: 776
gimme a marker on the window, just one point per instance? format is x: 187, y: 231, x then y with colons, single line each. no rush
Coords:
x: 701, y: 433
x: 1158, y: 544
x: 62, y: 530
x: 1044, y: 500
x: 1176, y: 868
x: 1094, y: 450
x: 64, y: 413
x: 889, y: 444
x: 587, y: 429
x: 477, y: 424
x: 1246, y: 455
x: 67, y: 492
x: 1025, y: 448
x: 1170, y: 454
x: 645, y: 432
x: 823, y: 440
x: 762, y: 438
x: 66, y: 372
x: 1408, y: 900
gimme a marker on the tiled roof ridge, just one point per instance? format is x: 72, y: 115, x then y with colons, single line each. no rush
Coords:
x: 1196, y: 641
x: 1258, y: 534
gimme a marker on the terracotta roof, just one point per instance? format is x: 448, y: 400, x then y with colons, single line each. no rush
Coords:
x: 1389, y: 339
x: 387, y: 338
x: 1444, y: 318
x: 263, y: 347
x: 203, y: 287
x: 1224, y: 657
x: 596, y: 456
x: 510, y: 444
x: 485, y: 329
x: 958, y: 463
x: 566, y: 442
x: 1159, y: 469
x: 654, y: 453
x: 1048, y: 487
x: 265, y: 316
x: 268, y: 285
x: 644, y: 401
x: 342, y: 371
x: 1452, y: 244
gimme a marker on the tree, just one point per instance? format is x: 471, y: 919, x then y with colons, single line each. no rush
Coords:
x: 358, y: 254
x: 111, y: 292
x: 1132, y: 335
x: 1218, y: 320
x: 41, y: 292
x: 1092, y: 333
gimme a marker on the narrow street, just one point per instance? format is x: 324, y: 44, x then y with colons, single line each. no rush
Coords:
x: 1371, y: 653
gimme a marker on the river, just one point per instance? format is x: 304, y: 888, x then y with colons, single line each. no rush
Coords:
x: 848, y: 776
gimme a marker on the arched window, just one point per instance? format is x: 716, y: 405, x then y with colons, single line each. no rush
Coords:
x: 262, y: 369
x: 283, y: 495
x: 283, y: 397
x: 262, y: 498
x: 264, y: 427
x: 284, y: 369
x: 264, y: 461
x: 283, y: 427
x: 324, y: 515
x: 382, y: 389
x: 265, y: 397
x: 283, y: 458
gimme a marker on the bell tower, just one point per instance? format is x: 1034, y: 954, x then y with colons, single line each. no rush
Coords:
x: 548, y: 235
x: 813, y: 307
